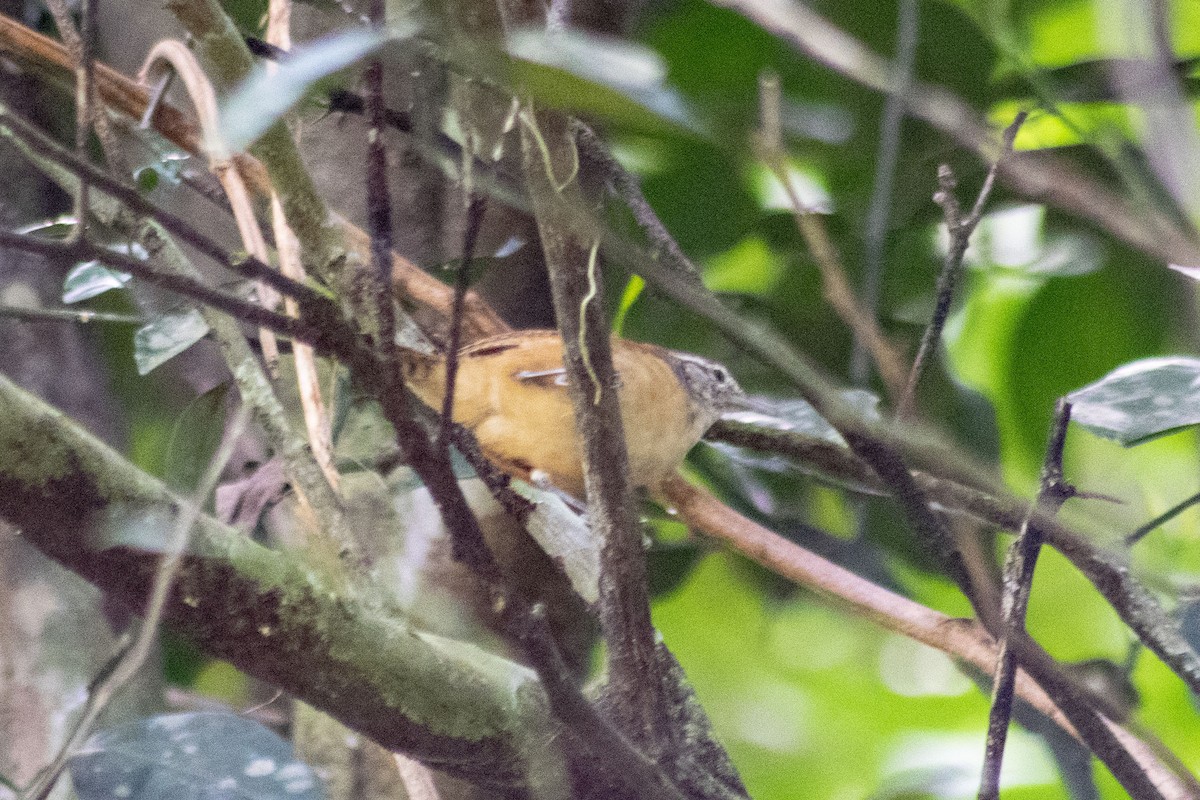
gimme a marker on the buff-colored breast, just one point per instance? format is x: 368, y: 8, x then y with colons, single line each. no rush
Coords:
x: 511, y: 392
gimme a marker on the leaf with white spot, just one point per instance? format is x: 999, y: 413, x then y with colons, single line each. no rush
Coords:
x: 198, y: 756
x: 1140, y: 400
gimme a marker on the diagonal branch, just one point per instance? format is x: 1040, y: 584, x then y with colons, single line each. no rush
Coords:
x: 1043, y: 177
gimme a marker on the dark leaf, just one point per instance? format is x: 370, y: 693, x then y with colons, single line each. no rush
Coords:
x: 89, y: 279
x: 195, y: 438
x: 1140, y: 400
x: 198, y: 756
x: 167, y: 337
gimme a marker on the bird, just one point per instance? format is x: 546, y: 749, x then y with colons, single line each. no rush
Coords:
x: 511, y: 392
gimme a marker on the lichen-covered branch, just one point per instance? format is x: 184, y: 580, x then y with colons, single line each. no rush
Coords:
x: 452, y: 705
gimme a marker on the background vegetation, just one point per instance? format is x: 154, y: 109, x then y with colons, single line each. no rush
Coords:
x: 1064, y: 282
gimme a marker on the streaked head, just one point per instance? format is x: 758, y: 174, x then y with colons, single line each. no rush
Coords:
x: 711, y: 387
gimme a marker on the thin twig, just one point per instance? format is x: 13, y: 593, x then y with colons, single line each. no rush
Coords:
x: 636, y: 684
x: 1163, y: 518
x: 82, y: 316
x: 960, y: 229
x: 65, y: 23
x: 193, y: 288
x: 84, y: 80
x: 133, y: 654
x: 476, y: 208
x: 248, y: 267
x: 625, y: 185
x: 938, y: 468
x: 961, y: 639
x: 836, y: 286
x: 174, y: 55
x: 614, y: 758
x: 1041, y: 176
x: 1018, y: 583
x: 1108, y: 572
x: 379, y: 203
x: 291, y: 263
x: 121, y: 94
x: 885, y: 175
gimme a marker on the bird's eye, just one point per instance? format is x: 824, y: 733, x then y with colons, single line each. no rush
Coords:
x: 720, y: 375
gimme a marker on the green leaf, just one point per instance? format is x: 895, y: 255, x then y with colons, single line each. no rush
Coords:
x: 195, y: 437
x: 89, y: 279
x: 1140, y: 400
x: 146, y: 179
x: 633, y: 290
x: 166, y: 337
x: 749, y: 268
x: 58, y: 228
x: 610, y: 78
x: 266, y: 95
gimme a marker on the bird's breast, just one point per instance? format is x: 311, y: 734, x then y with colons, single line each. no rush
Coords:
x: 512, y: 394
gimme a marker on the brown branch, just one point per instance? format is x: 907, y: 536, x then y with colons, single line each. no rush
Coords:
x: 241, y: 601
x: 125, y: 96
x: 959, y: 228
x: 962, y: 639
x: 636, y: 685
x: 1043, y: 177
x: 1107, y: 571
x: 1018, y: 584
x: 836, y: 285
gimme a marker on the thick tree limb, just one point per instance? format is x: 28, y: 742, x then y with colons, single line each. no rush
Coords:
x: 454, y: 706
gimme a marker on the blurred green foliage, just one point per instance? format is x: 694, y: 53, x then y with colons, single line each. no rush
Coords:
x: 811, y: 702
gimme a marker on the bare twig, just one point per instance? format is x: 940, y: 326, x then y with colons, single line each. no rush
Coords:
x: 1107, y: 571
x: 310, y: 300
x: 961, y: 639
x: 885, y: 174
x: 1043, y: 177
x: 1018, y: 582
x: 476, y: 208
x: 624, y: 184
x: 82, y: 316
x: 316, y: 414
x: 84, y: 95
x: 170, y: 54
x: 959, y: 228
x: 951, y: 477
x: 574, y: 280
x: 1163, y: 518
x: 85, y: 64
x: 189, y: 287
x: 377, y: 304
x: 833, y: 276
x: 123, y: 95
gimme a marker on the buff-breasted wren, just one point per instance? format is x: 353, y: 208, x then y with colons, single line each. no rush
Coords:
x: 511, y: 391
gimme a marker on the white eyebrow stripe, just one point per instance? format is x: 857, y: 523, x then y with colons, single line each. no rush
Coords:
x: 558, y: 373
